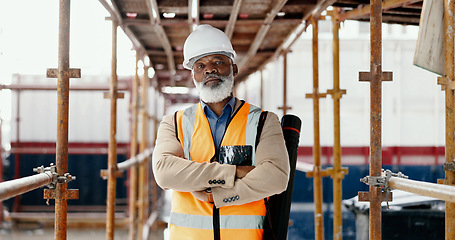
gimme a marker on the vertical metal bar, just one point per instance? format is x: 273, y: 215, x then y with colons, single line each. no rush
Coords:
x: 337, y: 176
x: 17, y: 158
x: 62, y: 118
x: 375, y: 117
x: 133, y: 169
x: 285, y: 82
x: 112, y: 157
x: 317, y: 181
x: 145, y: 143
x: 261, y: 93
x: 143, y: 180
x: 450, y: 107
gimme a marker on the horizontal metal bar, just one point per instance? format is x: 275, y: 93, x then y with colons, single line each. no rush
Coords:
x: 135, y: 160
x: 443, y: 192
x: 19, y: 186
x: 122, y: 87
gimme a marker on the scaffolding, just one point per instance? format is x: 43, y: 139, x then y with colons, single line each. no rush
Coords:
x: 380, y: 182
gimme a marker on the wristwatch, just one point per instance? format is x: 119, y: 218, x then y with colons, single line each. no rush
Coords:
x: 208, y: 191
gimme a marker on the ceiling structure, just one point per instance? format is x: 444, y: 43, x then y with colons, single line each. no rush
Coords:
x: 260, y: 30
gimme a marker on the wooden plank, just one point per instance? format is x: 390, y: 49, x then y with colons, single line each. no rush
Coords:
x: 429, y: 53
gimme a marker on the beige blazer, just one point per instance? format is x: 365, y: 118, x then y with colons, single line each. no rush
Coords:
x: 269, y: 177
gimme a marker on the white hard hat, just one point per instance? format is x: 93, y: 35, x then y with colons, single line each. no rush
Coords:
x: 206, y: 40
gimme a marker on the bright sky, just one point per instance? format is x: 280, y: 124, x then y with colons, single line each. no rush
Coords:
x: 29, y: 43
x: 29, y: 38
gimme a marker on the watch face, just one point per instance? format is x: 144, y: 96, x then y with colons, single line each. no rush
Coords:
x: 236, y: 155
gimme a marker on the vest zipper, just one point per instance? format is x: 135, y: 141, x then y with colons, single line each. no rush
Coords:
x: 216, y: 223
x: 216, y: 211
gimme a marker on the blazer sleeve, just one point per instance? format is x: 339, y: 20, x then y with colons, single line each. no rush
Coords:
x: 172, y: 171
x: 269, y: 177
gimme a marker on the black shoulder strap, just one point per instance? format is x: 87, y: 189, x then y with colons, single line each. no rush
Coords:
x: 260, y: 126
x: 269, y: 234
x: 176, y: 128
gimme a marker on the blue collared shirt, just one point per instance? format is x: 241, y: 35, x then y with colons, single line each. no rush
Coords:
x: 218, y: 124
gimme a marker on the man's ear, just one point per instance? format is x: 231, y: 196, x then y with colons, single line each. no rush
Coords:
x: 235, y: 69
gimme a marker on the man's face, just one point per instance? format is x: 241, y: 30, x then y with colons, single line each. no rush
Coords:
x: 213, y: 76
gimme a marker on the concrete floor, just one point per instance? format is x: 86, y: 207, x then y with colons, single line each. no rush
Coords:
x: 48, y: 233
x: 37, y: 233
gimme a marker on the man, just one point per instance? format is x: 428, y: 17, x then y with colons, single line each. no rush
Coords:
x: 213, y: 200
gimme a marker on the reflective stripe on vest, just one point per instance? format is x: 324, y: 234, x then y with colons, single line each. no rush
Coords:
x: 193, y: 219
x: 226, y: 222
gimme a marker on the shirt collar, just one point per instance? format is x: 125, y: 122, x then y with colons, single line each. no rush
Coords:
x: 231, y: 103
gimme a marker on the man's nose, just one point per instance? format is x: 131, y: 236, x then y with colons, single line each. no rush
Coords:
x: 210, y: 69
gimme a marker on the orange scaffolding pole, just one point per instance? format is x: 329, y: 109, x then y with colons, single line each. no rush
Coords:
x: 375, y: 196
x: 133, y: 171
x: 112, y: 171
x: 450, y: 118
x: 143, y: 194
x: 317, y: 173
x: 337, y: 172
x: 61, y: 192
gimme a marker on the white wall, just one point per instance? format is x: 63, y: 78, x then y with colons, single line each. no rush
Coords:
x: 413, y: 104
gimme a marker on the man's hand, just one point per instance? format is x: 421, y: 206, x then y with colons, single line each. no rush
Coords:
x: 241, y: 171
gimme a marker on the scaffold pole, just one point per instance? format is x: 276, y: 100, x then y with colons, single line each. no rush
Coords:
x: 337, y: 173
x: 133, y: 170
x: 61, y: 193
x: 317, y: 174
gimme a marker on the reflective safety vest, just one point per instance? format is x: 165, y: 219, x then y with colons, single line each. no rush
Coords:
x: 194, y: 219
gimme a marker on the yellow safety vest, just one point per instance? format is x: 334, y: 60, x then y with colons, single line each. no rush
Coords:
x: 194, y: 219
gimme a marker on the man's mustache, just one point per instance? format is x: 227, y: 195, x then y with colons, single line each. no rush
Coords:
x: 213, y: 75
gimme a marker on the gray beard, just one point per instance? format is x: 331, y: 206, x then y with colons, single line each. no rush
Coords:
x: 216, y: 92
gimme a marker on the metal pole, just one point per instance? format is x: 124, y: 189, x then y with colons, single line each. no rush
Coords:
x: 20, y: 186
x: 375, y: 117
x: 317, y: 181
x: 443, y: 192
x: 285, y: 82
x: 112, y: 156
x: 337, y: 174
x: 143, y: 168
x: 144, y: 145
x: 62, y: 118
x: 450, y: 118
x: 133, y: 170
x: 261, y: 93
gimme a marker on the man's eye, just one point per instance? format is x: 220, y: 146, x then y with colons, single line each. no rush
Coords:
x: 219, y: 62
x: 200, y: 66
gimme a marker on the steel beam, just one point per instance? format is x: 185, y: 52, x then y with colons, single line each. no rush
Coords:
x: 375, y: 196
x: 337, y: 172
x: 285, y: 107
x: 260, y: 35
x: 143, y: 167
x: 155, y: 21
x: 363, y: 11
x: 317, y: 173
x: 450, y: 108
x: 229, y: 30
x: 133, y: 170
x: 112, y: 156
x: 42, y: 87
x: 439, y: 191
x: 20, y: 186
x: 61, y: 192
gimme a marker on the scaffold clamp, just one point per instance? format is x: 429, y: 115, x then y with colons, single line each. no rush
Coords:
x: 55, y: 177
x: 383, y: 180
x: 449, y: 166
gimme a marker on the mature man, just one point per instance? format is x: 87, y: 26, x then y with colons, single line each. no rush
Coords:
x: 212, y: 200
